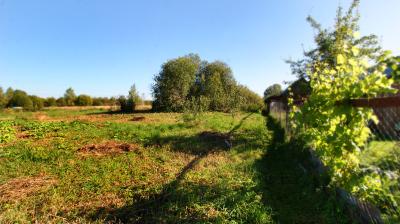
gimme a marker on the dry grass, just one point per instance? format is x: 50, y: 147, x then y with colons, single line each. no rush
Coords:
x: 22, y: 187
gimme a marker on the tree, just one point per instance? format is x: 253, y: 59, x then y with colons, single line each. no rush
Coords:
x: 173, y: 83
x: 84, y: 100
x: 216, y: 82
x: 37, y: 103
x: 249, y: 100
x: 338, y: 72
x: 328, y: 43
x: 21, y: 99
x: 273, y: 90
x: 50, y: 102
x: 69, y: 97
x: 3, y: 99
x: 123, y: 103
x: 134, y: 97
x: 9, y: 94
x: 61, y: 102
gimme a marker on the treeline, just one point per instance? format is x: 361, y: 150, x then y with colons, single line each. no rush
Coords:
x: 18, y: 98
x: 188, y: 83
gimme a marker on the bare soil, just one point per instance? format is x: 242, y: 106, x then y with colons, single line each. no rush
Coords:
x: 107, y: 148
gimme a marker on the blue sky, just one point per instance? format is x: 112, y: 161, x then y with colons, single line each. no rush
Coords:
x: 101, y: 47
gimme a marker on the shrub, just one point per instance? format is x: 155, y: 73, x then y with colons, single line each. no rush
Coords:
x: 21, y: 99
x: 84, y: 100
x: 37, y: 102
x: 50, y: 102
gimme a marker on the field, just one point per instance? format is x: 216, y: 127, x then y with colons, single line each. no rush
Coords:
x: 95, y: 166
x: 92, y: 166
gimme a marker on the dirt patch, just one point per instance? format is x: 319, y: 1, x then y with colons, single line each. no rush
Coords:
x: 107, y: 148
x: 217, y: 137
x: 23, y: 135
x: 22, y: 187
x: 41, y: 117
x: 141, y: 118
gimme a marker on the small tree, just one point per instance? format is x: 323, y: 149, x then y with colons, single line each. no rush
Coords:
x: 273, y: 90
x: 3, y: 99
x: 339, y: 72
x: 69, y: 97
x: 9, y: 94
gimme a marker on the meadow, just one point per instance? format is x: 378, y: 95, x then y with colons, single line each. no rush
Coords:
x: 95, y: 166
x: 91, y: 165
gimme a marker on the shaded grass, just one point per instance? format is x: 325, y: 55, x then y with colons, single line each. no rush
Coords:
x: 295, y: 193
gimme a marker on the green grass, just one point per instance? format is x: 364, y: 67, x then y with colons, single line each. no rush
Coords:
x: 382, y: 158
x: 172, y: 176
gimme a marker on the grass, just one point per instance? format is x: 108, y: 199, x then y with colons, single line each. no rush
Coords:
x: 171, y: 175
x: 382, y: 158
x: 97, y: 166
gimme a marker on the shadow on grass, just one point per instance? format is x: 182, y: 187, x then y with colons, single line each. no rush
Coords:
x: 182, y: 201
x: 294, y: 191
x: 118, y: 112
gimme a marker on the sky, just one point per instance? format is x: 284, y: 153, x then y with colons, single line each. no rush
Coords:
x: 102, y: 47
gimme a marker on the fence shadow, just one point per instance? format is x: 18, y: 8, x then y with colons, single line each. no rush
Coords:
x: 295, y: 193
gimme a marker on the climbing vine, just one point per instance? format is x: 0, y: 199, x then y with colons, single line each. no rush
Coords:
x: 336, y: 130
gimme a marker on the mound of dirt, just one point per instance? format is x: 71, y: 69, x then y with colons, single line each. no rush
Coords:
x: 107, y: 148
x: 141, y: 118
x: 22, y: 187
x: 217, y: 137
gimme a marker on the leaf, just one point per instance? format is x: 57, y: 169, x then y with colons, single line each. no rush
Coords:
x: 340, y: 59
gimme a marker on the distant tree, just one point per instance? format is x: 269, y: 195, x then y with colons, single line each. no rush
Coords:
x: 123, y: 103
x: 84, y: 100
x: 3, y: 99
x: 173, y: 83
x: 9, y: 94
x: 61, y: 102
x: 249, y: 100
x: 134, y: 97
x: 21, y: 99
x: 50, y: 102
x: 273, y: 90
x: 37, y: 103
x: 69, y: 97
x: 98, y: 101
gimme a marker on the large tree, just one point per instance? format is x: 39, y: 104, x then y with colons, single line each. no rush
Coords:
x: 217, y: 83
x: 173, y: 83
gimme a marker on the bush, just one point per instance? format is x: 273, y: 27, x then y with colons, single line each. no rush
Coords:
x: 21, y: 99
x: 84, y: 100
x: 50, y: 102
x: 61, y: 102
x: 37, y: 103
